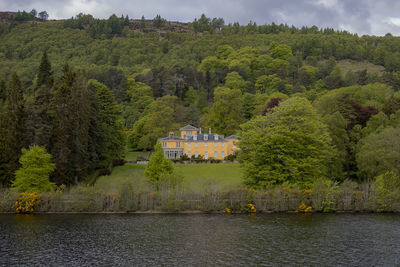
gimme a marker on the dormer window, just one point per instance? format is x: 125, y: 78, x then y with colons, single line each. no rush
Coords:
x: 206, y: 137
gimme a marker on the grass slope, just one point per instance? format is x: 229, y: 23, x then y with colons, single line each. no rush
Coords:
x: 196, y: 178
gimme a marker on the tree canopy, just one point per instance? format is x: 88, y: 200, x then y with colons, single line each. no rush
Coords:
x: 35, y: 170
x: 289, y: 144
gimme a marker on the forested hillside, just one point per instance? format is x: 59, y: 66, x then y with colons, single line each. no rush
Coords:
x: 74, y: 85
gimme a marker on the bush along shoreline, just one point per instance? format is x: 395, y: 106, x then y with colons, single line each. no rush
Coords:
x: 324, y: 196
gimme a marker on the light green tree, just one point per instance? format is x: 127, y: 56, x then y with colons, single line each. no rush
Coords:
x: 267, y: 84
x: 281, y: 51
x: 234, y: 81
x: 158, y: 121
x: 158, y: 166
x: 225, y: 114
x: 141, y: 96
x: 36, y: 167
x: 379, y: 153
x: 224, y: 51
x: 289, y: 144
x: 211, y: 64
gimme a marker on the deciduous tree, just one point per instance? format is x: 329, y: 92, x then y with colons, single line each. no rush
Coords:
x: 35, y: 170
x: 290, y: 144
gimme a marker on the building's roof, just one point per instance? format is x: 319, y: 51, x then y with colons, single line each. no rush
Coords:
x: 232, y: 137
x: 188, y: 128
x: 171, y: 138
x: 211, y: 137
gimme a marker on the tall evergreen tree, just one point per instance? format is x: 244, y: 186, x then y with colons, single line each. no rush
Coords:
x: 45, y: 75
x: 40, y: 124
x: 11, y: 131
x: 62, y: 139
x: 109, y: 134
x: 70, y: 136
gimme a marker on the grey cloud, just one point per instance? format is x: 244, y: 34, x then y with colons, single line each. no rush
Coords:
x: 358, y: 16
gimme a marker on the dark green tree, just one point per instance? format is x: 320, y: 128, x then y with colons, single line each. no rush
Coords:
x: 11, y: 131
x: 44, y: 75
x: 39, y: 123
x: 109, y: 134
x: 70, y: 135
x: 158, y: 21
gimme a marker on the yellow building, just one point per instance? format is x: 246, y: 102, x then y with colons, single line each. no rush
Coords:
x: 193, y: 142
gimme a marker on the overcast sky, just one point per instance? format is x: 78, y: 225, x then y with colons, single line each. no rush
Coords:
x: 376, y: 17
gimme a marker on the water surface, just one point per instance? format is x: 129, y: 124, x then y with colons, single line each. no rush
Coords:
x: 200, y: 240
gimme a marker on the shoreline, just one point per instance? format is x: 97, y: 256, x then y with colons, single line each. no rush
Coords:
x: 193, y: 212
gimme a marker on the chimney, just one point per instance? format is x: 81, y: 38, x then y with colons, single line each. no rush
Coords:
x: 209, y: 130
x: 171, y: 134
x: 200, y: 130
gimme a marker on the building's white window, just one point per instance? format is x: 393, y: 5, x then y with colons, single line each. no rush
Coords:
x: 205, y: 144
x: 196, y: 144
x: 233, y: 145
x: 206, y: 155
x: 195, y: 137
x: 216, y: 137
x: 206, y: 137
x: 164, y: 144
x: 196, y: 154
x: 215, y: 144
x: 188, y: 144
x: 188, y: 132
x: 215, y: 154
x: 178, y: 144
x: 222, y: 144
x: 189, y: 155
x: 222, y: 154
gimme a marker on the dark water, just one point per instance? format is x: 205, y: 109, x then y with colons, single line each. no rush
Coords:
x: 200, y: 240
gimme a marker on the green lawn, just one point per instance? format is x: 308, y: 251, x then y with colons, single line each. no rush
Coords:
x: 205, y: 177
x: 132, y: 155
x: 129, y: 174
x: 196, y: 177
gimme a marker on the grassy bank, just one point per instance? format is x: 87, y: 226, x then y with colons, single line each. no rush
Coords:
x: 347, y: 197
x: 204, y: 187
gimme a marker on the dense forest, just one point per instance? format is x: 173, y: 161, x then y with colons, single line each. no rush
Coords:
x: 83, y: 88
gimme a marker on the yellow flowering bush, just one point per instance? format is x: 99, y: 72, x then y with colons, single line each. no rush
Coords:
x: 26, y: 202
x: 228, y: 210
x: 251, y: 208
x: 304, y: 208
x: 307, y: 192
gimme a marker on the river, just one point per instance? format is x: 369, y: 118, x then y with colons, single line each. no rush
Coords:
x: 200, y: 240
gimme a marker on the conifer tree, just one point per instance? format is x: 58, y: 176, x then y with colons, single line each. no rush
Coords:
x: 44, y: 74
x: 62, y: 139
x: 41, y: 123
x: 106, y: 132
x: 70, y: 136
x: 11, y: 131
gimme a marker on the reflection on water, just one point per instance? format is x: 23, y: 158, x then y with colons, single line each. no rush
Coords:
x: 273, y: 239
